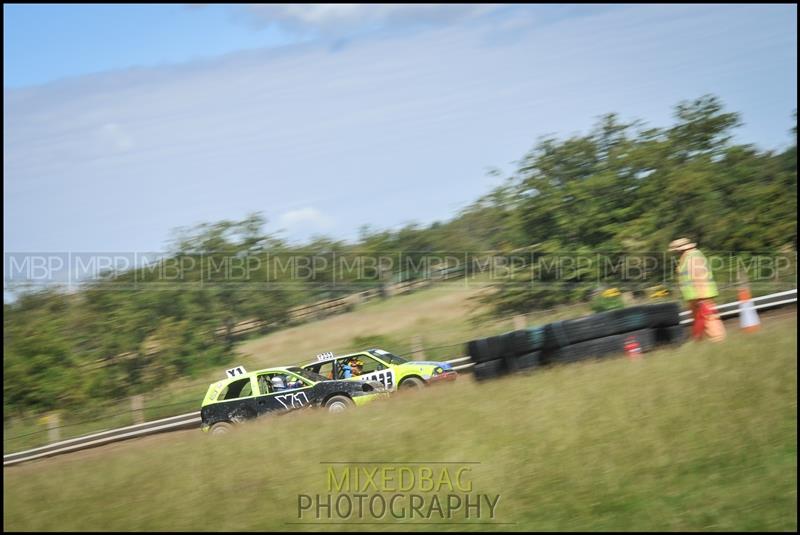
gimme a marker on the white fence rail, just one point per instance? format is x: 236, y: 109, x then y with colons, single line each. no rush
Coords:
x: 173, y: 423
x: 192, y: 420
x: 765, y: 301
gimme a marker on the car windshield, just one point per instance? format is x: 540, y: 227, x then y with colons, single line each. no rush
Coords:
x: 307, y: 374
x: 386, y: 356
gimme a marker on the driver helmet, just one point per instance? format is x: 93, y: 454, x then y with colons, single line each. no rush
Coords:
x: 277, y: 382
x: 357, y: 363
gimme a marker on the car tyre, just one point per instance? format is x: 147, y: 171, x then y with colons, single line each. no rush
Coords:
x: 411, y: 383
x: 221, y: 428
x: 338, y: 404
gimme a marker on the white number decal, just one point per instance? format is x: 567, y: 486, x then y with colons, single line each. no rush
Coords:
x: 293, y: 401
x: 386, y: 377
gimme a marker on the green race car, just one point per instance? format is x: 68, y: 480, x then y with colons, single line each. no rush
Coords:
x: 378, y: 365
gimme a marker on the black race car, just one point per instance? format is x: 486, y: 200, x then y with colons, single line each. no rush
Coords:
x: 246, y: 395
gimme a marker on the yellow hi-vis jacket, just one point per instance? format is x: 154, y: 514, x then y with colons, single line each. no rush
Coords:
x: 695, y: 277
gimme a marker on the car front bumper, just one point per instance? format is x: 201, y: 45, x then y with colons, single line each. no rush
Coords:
x: 444, y: 377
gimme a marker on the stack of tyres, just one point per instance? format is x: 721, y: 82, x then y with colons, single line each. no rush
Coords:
x: 607, y: 333
x: 667, y: 323
x: 579, y: 339
x: 608, y: 345
x: 506, y: 353
x: 672, y: 334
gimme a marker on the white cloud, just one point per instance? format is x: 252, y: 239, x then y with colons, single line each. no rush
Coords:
x: 337, y: 19
x: 307, y: 218
x: 115, y: 135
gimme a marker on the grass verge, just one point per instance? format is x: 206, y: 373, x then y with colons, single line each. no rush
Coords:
x: 700, y: 437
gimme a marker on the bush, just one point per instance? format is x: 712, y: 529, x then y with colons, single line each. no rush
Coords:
x: 608, y: 299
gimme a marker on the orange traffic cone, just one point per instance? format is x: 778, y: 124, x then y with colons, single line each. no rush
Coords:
x: 748, y: 317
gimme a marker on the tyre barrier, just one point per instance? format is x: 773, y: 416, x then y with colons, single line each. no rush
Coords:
x: 674, y: 334
x: 506, y: 365
x: 514, y: 343
x: 489, y: 369
x: 562, y: 333
x: 529, y: 361
x: 601, y: 347
x: 574, y: 340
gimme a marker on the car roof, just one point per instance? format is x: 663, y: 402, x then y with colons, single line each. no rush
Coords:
x: 345, y: 355
x: 257, y: 372
x: 275, y: 369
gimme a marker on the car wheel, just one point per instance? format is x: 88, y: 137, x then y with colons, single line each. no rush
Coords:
x: 411, y: 383
x: 221, y: 428
x: 338, y: 404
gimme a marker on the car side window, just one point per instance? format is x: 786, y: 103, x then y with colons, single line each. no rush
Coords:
x: 294, y: 381
x: 325, y: 369
x: 263, y: 384
x: 237, y: 389
x: 357, y: 365
x: 370, y: 364
x: 341, y: 367
x: 271, y: 383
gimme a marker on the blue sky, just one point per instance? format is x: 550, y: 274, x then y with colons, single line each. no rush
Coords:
x: 123, y: 122
x: 47, y: 42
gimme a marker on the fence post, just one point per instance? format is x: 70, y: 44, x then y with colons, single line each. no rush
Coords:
x: 53, y: 427
x: 520, y: 321
x: 137, y: 408
x: 416, y: 347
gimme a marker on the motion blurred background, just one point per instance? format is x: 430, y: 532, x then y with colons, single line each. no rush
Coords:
x: 186, y: 187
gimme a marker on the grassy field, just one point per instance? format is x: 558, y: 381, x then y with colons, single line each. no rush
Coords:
x: 700, y: 437
x: 440, y: 316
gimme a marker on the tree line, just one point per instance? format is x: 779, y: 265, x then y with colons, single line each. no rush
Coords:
x: 622, y: 186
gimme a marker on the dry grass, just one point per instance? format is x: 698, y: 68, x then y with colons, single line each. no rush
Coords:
x: 438, y: 315
x: 701, y: 437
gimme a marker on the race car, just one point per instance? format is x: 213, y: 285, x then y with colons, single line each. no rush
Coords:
x: 378, y: 365
x: 246, y: 395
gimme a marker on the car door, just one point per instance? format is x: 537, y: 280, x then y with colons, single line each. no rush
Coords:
x: 376, y: 370
x: 326, y: 369
x: 235, y: 403
x: 271, y: 400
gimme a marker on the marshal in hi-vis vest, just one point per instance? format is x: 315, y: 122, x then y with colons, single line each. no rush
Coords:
x: 695, y: 277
